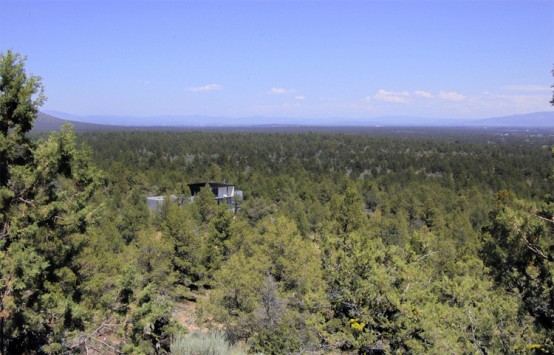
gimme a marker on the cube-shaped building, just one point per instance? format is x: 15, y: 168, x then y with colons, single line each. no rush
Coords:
x: 223, y: 192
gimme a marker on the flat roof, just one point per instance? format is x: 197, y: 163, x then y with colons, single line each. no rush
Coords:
x: 210, y: 184
x: 155, y: 198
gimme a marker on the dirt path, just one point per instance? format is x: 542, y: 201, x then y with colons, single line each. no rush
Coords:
x: 185, y: 314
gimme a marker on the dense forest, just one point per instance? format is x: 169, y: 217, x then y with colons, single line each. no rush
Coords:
x: 441, y: 242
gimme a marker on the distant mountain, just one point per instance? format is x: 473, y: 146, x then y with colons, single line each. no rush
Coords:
x: 199, y: 121
x: 51, y: 121
x: 402, y: 121
x: 536, y: 119
x: 528, y: 120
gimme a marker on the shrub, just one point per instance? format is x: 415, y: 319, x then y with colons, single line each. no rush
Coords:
x: 213, y: 343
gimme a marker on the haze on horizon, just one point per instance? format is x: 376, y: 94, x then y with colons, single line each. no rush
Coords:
x: 295, y: 59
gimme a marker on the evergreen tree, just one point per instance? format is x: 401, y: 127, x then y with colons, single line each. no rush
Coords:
x: 20, y: 98
x: 45, y: 194
x: 518, y: 247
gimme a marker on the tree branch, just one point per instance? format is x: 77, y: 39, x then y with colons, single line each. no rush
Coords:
x: 534, y: 249
x: 473, y: 337
x: 426, y: 256
x: 93, y: 336
x: 5, y: 230
x: 26, y: 201
x: 531, y: 246
x: 544, y: 219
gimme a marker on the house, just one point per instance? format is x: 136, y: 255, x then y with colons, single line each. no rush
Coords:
x: 156, y: 202
x: 223, y: 193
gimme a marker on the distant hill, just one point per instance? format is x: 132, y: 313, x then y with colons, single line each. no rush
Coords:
x: 159, y: 121
x: 536, y: 119
x: 48, y: 122
x: 528, y: 120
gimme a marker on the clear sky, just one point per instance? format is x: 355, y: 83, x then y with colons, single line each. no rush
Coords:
x: 305, y: 59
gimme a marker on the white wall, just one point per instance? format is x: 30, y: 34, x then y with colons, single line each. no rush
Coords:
x: 228, y: 191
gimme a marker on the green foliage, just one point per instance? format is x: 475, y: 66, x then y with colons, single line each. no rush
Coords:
x: 21, y: 96
x: 132, y: 213
x: 256, y: 208
x: 178, y: 227
x: 206, y: 204
x: 268, y: 287
x: 518, y: 245
x: 387, y: 241
x: 395, y: 245
x: 218, y: 231
x: 46, y: 211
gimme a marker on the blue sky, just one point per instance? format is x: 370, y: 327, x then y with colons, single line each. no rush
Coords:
x: 305, y: 59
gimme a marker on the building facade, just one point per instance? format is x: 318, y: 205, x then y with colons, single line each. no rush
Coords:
x: 223, y: 193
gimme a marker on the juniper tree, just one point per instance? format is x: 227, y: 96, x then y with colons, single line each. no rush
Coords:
x: 45, y: 190
x: 20, y: 97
